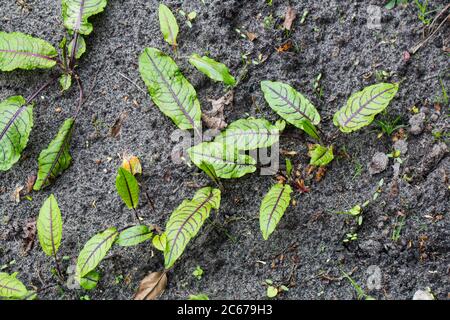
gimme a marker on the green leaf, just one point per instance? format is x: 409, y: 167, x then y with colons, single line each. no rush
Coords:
x: 320, y: 155
x: 128, y: 188
x: 89, y: 281
x: 49, y: 226
x: 56, y: 158
x: 94, y: 251
x: 355, y: 211
x: 272, y: 209
x: 198, y: 272
x: 198, y: 297
x: 284, y: 288
x: 390, y: 5
x: 272, y: 292
x: 81, y: 47
x: 160, y: 241
x: 65, y: 81
x: 11, y: 287
x: 209, y: 196
x: 21, y: 51
x: 76, y: 13
x: 227, y: 162
x: 169, y: 89
x: 291, y: 106
x: 192, y: 15
x: 251, y: 133
x: 362, y: 107
x: 134, y: 235
x: 214, y: 70
x: 168, y: 24
x: 311, y: 130
x: 186, y: 221
x: 210, y: 171
x: 16, y: 121
x: 289, y: 167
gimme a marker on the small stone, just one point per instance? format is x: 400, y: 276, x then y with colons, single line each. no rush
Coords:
x: 379, y: 163
x: 417, y: 123
x: 396, y: 168
x: 432, y: 158
x: 402, y: 146
x: 422, y: 295
x: 434, y: 117
x: 371, y: 247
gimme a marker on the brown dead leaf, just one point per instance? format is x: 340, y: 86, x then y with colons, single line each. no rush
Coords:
x: 400, y: 134
x: 289, y: 18
x: 16, y: 194
x: 152, y: 286
x: 288, y: 153
x: 117, y: 127
x: 281, y: 179
x: 284, y: 47
x: 393, y: 191
x: 309, y: 170
x: 251, y: 36
x: 131, y: 164
x: 29, y: 235
x: 29, y: 185
x: 422, y: 247
x: 214, y: 118
x: 437, y: 107
x: 320, y: 174
x: 300, y: 186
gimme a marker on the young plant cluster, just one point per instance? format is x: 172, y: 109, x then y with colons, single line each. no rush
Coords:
x: 227, y: 156
x: 22, y: 51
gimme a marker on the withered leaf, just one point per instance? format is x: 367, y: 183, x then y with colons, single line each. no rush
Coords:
x: 281, y: 179
x: 320, y: 174
x: 289, y: 18
x: 251, y: 36
x: 214, y: 119
x: 288, y: 153
x: 132, y: 164
x: 16, y: 194
x: 309, y: 170
x: 152, y: 286
x: 284, y: 47
x: 29, y: 185
x: 300, y: 186
x: 117, y: 127
x: 29, y: 235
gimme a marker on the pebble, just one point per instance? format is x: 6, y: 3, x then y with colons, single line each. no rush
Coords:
x: 396, y: 168
x: 422, y: 295
x: 371, y: 247
x: 432, y: 158
x: 434, y: 117
x: 402, y: 146
x: 379, y: 163
x: 417, y: 123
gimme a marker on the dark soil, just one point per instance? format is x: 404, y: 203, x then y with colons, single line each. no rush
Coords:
x: 306, y: 252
